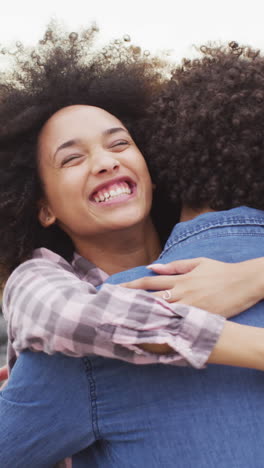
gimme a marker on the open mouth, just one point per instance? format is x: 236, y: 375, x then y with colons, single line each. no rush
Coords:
x: 113, y: 191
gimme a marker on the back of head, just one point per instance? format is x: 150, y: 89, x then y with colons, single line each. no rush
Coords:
x: 207, y: 147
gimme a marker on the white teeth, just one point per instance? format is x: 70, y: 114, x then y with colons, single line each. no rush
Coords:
x: 107, y: 195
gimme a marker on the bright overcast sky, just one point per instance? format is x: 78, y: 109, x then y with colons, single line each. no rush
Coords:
x: 155, y: 25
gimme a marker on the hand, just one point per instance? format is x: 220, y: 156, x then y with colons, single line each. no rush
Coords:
x: 222, y: 288
x: 3, y: 376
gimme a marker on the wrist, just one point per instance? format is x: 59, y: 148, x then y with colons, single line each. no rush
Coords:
x: 255, y: 278
x: 240, y: 346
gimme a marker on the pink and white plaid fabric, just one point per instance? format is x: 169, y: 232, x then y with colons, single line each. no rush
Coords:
x: 54, y: 306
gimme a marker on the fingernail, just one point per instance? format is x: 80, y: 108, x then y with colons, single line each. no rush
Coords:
x: 154, y: 265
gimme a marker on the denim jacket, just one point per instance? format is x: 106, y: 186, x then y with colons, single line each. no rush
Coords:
x: 113, y: 414
x: 221, y: 408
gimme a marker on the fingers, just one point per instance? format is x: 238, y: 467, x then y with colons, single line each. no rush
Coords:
x: 151, y: 283
x: 163, y: 285
x: 3, y: 373
x: 168, y: 295
x: 176, y: 267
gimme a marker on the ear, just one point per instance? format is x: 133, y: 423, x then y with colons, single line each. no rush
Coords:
x: 45, y: 214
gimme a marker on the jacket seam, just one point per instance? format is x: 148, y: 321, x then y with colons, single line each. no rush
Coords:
x: 93, y: 395
x: 193, y: 236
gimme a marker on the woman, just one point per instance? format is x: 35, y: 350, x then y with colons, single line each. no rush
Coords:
x: 74, y: 180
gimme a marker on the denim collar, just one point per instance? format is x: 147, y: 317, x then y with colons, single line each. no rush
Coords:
x: 242, y: 215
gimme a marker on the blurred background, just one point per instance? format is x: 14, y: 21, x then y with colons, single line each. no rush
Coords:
x: 164, y: 24
x: 171, y: 25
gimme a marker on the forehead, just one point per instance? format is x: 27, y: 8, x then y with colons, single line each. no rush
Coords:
x: 71, y: 121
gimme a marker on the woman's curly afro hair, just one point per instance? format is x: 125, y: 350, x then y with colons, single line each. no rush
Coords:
x: 206, y: 142
x: 63, y: 69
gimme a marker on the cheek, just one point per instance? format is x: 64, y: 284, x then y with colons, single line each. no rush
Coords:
x: 148, y: 189
x: 146, y: 177
x: 63, y: 188
x: 142, y: 167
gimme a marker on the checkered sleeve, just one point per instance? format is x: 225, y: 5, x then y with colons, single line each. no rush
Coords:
x: 50, y: 309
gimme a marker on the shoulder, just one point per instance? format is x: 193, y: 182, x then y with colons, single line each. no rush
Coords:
x: 44, y: 267
x: 42, y: 260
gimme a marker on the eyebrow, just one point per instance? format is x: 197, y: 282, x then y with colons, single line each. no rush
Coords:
x: 69, y: 143
x: 111, y: 131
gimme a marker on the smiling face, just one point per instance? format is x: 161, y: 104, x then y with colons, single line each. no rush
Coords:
x: 95, y: 179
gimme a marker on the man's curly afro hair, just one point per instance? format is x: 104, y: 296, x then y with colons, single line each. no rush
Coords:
x: 63, y: 69
x: 206, y: 142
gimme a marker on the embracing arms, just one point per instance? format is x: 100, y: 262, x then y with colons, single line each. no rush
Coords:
x: 68, y: 315
x: 50, y: 309
x: 222, y: 288
x: 235, y: 345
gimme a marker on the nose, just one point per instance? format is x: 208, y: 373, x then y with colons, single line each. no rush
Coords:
x: 105, y: 163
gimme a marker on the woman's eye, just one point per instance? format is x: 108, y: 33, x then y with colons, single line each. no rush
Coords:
x: 120, y: 143
x: 69, y: 159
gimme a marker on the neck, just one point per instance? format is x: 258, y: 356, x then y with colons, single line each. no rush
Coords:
x: 121, y: 251
x: 188, y: 213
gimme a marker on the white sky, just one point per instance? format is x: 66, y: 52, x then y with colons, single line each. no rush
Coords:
x: 155, y: 25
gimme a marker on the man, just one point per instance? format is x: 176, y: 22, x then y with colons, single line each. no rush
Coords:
x: 206, y: 153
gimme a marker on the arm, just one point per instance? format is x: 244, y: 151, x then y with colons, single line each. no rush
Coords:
x: 238, y: 345
x: 221, y: 288
x: 49, y: 309
x: 38, y: 427
x: 189, y: 335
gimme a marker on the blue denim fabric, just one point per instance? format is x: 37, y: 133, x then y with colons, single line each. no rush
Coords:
x: 221, y: 408
x: 117, y: 415
x: 45, y: 411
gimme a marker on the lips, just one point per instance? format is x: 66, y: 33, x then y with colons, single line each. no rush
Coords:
x: 118, y: 188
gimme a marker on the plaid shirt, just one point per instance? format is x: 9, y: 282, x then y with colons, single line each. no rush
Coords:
x: 54, y: 306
